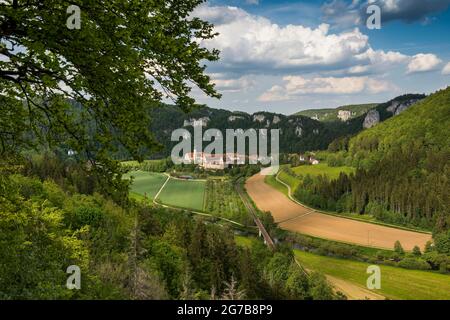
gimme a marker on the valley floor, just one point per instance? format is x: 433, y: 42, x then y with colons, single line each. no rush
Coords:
x: 396, y: 283
x: 294, y: 217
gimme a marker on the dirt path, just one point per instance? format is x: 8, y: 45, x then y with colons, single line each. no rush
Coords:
x: 297, y: 218
x: 353, y: 292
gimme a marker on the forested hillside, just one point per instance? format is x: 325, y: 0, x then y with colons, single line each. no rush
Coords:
x: 403, y: 169
x: 342, y: 113
x: 298, y: 133
x: 406, y: 162
x: 53, y: 215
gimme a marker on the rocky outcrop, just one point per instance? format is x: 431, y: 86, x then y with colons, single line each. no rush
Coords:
x: 234, y: 118
x: 298, y: 131
x: 402, y: 108
x: 372, y: 119
x: 393, y: 107
x: 196, y: 122
x: 396, y: 107
x: 258, y: 118
x: 276, y: 119
x: 344, y: 115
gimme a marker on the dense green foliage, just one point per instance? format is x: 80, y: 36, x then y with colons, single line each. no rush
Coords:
x: 90, y: 89
x: 317, y: 188
x: 161, y: 165
x: 407, y: 159
x: 45, y: 229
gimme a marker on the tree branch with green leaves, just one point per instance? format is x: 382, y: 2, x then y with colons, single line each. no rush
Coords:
x: 92, y: 88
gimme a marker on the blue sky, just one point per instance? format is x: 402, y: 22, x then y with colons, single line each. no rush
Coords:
x: 286, y: 56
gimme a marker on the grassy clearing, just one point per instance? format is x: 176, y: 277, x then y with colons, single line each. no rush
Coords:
x: 396, y: 283
x: 272, y: 181
x: 246, y: 242
x: 145, y: 183
x: 187, y: 194
x: 322, y: 169
x: 293, y: 182
x: 135, y: 164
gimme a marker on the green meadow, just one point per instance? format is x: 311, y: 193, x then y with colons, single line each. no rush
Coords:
x: 189, y: 194
x: 312, y: 170
x: 145, y: 183
x: 322, y: 169
x: 396, y: 283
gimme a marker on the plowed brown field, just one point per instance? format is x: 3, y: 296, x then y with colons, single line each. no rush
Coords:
x: 294, y: 217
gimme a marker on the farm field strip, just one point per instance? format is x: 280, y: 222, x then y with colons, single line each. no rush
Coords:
x: 286, y: 187
x: 162, y: 187
x: 146, y: 183
x: 191, y: 195
x: 322, y: 169
x: 396, y: 283
x: 351, y: 290
x: 312, y: 170
x: 187, y: 194
x: 327, y: 226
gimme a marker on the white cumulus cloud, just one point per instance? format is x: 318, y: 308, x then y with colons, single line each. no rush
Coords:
x: 423, y: 62
x: 296, y: 86
x: 252, y: 44
x: 255, y: 43
x: 446, y: 70
x: 296, y: 61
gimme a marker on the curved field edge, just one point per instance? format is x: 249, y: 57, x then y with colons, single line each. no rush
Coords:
x: 175, y: 193
x: 138, y: 195
x: 396, y: 283
x: 272, y: 181
x: 294, y: 217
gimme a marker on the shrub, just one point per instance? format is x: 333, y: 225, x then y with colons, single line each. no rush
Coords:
x: 28, y: 187
x: 87, y: 216
x: 54, y: 193
x: 442, y: 241
x: 411, y: 263
x: 398, y: 248
x: 435, y: 259
x: 416, y: 251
